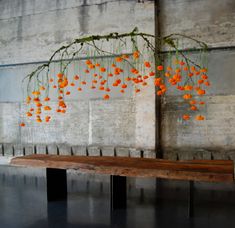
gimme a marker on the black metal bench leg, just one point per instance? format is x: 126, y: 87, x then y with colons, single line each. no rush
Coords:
x: 191, y: 199
x: 118, y: 192
x: 56, y: 184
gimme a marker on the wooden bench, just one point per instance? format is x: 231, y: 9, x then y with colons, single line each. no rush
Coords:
x: 121, y: 167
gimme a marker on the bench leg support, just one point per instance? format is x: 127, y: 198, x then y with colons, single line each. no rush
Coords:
x: 191, y: 199
x: 56, y: 184
x: 118, y: 192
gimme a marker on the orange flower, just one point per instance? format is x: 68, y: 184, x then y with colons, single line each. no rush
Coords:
x: 68, y: 93
x: 122, y: 91
x: 76, y: 77
x: 124, y: 86
x: 79, y: 89
x: 186, y: 117
x: 160, y: 67
x: 107, y: 89
x: 22, y: 124
x: 137, y: 90
x: 188, y: 87
x: 192, y: 102
x: 201, y: 102
x: 169, y: 68
x: 136, y: 54
x: 204, y: 76
x: 200, y: 117
x: 187, y: 96
x: 42, y: 88
x: 83, y: 82
x: 159, y: 92
x: 203, y: 70
x: 193, y: 108
x: 147, y: 64
x: 200, y: 81
x: 46, y: 99
x: 91, y: 66
x: 157, y: 81
x: 60, y: 75
x: 51, y: 80
x: 88, y: 62
x: 167, y: 74
x: 102, y: 69
x: 106, y: 97
x: 72, y: 84
x: 97, y: 64
x: 110, y: 75
x: 87, y: 71
x: 47, y: 108
x: 146, y: 77
x: 207, y: 83
x: 151, y: 74
x: 29, y: 114
x: 118, y: 59
x: 201, y: 92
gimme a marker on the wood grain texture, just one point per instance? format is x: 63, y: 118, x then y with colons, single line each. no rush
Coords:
x: 197, y: 170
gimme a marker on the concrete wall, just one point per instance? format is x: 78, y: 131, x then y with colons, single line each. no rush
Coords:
x: 214, y: 23
x: 31, y: 31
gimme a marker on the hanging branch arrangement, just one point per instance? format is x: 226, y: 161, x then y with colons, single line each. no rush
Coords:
x: 117, y: 62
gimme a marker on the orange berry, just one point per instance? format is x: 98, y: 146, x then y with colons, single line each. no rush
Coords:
x: 51, y: 80
x: 201, y: 102
x: 110, y: 75
x: 68, y: 93
x: 72, y: 84
x: 200, y: 81
x: 79, y: 89
x: 107, y: 89
x: 83, y: 82
x: 124, y: 86
x: 87, y: 71
x: 137, y: 90
x: 54, y: 86
x: 97, y: 64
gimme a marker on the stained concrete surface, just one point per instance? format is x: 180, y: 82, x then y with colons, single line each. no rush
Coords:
x: 23, y: 205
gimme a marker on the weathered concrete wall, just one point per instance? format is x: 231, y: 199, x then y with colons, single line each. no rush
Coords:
x: 214, y: 23
x: 31, y: 31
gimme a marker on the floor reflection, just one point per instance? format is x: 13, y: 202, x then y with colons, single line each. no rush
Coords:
x: 23, y: 204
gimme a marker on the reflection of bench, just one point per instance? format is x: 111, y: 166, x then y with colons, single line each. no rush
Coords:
x: 121, y: 167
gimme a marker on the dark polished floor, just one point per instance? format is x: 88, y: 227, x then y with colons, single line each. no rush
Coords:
x: 23, y: 205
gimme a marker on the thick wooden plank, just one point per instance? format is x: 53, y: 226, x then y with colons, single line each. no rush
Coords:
x: 197, y: 170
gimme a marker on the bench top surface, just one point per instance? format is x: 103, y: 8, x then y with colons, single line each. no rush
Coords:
x: 197, y: 170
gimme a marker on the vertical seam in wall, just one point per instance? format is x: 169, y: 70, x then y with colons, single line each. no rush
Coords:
x: 89, y: 123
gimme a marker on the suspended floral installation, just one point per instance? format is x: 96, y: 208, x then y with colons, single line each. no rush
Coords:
x: 117, y: 62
